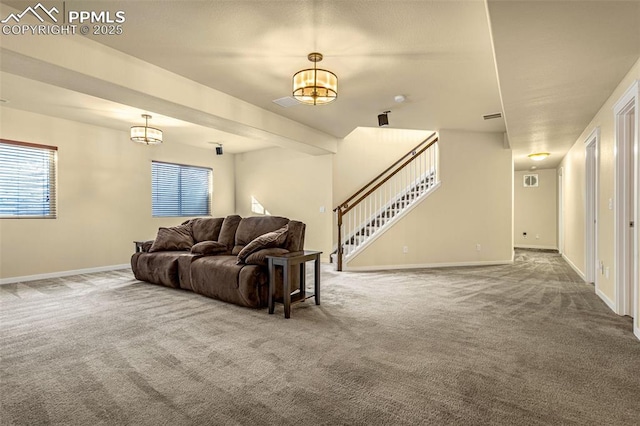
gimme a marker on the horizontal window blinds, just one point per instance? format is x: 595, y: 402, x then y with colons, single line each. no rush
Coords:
x: 27, y: 180
x: 179, y: 190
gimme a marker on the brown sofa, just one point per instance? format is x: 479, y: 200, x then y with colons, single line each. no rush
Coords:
x: 222, y: 258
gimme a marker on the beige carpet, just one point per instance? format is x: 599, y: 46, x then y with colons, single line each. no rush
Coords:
x: 523, y: 344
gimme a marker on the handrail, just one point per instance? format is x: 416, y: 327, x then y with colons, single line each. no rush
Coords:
x: 382, y: 182
x: 412, y: 152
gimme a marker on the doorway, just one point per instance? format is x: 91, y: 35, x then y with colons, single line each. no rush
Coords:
x: 626, y: 113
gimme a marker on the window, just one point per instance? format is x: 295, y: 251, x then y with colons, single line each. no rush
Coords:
x: 27, y: 180
x: 179, y: 190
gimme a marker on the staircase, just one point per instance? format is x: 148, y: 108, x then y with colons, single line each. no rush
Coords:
x: 365, y: 215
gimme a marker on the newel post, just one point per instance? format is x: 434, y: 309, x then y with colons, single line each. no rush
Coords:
x: 339, y: 253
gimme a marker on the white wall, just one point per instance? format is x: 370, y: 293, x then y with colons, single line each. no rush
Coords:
x: 472, y: 206
x: 290, y: 184
x: 574, y: 189
x: 536, y: 211
x: 104, y: 196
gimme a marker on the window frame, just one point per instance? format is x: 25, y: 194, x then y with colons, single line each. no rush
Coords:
x: 181, y: 212
x: 52, y: 186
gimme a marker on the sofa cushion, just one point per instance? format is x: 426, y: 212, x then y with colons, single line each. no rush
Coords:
x: 174, y: 238
x: 260, y: 257
x: 228, y: 230
x: 206, y: 228
x: 208, y: 247
x: 158, y: 268
x: 251, y: 228
x: 275, y: 238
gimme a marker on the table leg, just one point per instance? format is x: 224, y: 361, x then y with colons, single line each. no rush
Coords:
x: 272, y: 278
x: 286, y: 284
x: 317, y: 279
x: 303, y: 276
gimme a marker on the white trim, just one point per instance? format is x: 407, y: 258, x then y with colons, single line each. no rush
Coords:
x: 606, y: 300
x: 561, y: 210
x: 574, y: 267
x: 629, y: 100
x: 426, y: 265
x: 636, y: 330
x: 384, y: 228
x: 533, y: 246
x: 592, y: 147
x: 25, y: 278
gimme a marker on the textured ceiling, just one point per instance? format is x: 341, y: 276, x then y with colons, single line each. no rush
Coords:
x: 437, y: 54
x: 557, y: 61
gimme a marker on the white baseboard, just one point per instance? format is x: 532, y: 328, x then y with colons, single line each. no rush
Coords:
x: 425, y: 265
x: 533, y: 246
x: 574, y: 267
x: 606, y: 300
x: 24, y: 278
x: 636, y: 331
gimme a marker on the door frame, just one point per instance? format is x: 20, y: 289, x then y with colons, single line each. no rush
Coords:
x: 629, y: 101
x: 561, y: 210
x: 592, y: 179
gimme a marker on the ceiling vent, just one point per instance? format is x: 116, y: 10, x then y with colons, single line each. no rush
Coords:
x: 286, y: 102
x: 492, y: 116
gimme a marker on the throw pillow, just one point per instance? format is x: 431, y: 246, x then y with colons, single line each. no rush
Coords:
x: 208, y: 247
x: 260, y: 257
x: 275, y: 238
x: 174, y: 238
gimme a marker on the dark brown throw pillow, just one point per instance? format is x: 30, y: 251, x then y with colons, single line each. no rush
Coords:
x: 208, y: 247
x: 260, y: 257
x: 174, y: 238
x: 275, y: 238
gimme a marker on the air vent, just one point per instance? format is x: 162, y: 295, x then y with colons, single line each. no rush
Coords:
x: 286, y: 102
x: 492, y: 116
x: 530, y: 181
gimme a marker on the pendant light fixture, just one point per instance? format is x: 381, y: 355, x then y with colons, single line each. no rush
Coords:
x: 315, y: 86
x: 145, y: 134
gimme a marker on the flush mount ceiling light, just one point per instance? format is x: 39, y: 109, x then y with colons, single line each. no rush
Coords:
x: 146, y: 134
x: 314, y: 86
x: 539, y: 156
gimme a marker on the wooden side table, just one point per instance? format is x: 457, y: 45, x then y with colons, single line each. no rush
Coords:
x: 288, y: 262
x: 139, y: 245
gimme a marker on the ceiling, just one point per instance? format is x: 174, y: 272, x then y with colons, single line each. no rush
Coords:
x: 557, y: 63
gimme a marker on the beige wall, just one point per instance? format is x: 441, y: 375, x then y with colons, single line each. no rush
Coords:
x: 472, y: 206
x: 365, y: 153
x: 574, y: 189
x: 104, y: 196
x: 291, y: 184
x: 536, y: 210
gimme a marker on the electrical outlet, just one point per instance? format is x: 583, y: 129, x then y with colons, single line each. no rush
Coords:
x: 478, y: 247
x: 606, y: 272
x: 405, y: 249
x: 524, y: 235
x: 601, y: 267
x: 537, y: 236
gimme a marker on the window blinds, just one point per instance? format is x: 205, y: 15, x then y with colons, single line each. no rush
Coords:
x: 27, y: 180
x: 179, y: 190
